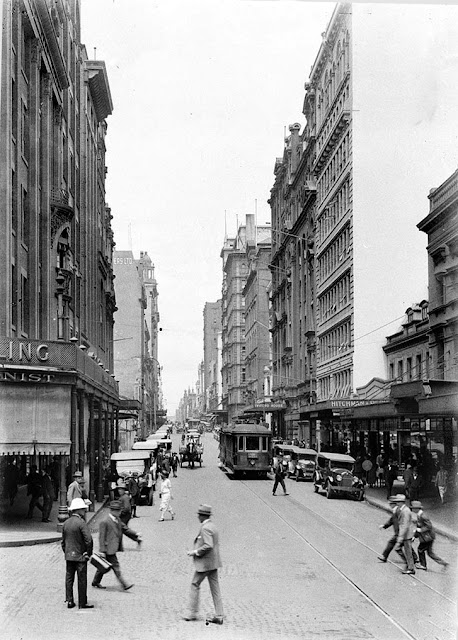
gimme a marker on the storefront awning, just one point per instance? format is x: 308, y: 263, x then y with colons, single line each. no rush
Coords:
x: 34, y: 419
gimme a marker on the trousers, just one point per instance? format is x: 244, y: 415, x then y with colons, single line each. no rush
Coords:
x: 279, y: 480
x: 80, y: 568
x: 390, y: 546
x: 198, y: 578
x: 427, y: 548
x: 113, y: 560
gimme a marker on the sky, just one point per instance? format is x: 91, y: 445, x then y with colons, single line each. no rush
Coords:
x: 203, y: 94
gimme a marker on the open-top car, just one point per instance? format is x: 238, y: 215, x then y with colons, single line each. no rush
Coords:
x: 334, y: 475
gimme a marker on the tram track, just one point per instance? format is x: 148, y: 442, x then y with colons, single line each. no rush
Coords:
x: 406, y: 633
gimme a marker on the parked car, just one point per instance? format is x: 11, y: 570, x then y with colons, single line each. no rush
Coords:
x: 334, y: 475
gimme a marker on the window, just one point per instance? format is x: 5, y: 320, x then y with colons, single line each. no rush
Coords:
x: 24, y: 216
x: 418, y: 371
x: 400, y: 371
x: 409, y: 368
x: 24, y: 304
x: 240, y: 443
x: 252, y: 443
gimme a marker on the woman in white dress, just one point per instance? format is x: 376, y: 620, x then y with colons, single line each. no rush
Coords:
x: 166, y: 496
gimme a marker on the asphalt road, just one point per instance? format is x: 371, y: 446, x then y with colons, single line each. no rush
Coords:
x: 297, y: 566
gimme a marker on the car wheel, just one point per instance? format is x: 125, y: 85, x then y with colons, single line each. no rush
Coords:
x: 329, y: 491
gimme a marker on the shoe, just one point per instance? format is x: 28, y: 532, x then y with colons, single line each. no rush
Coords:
x: 381, y: 558
x: 215, y: 620
x: 139, y: 542
x: 274, y: 494
x: 129, y: 586
x: 86, y: 606
x: 161, y: 519
x: 420, y: 566
x: 445, y: 566
x: 190, y: 618
x: 286, y: 494
x: 71, y: 605
x: 173, y: 516
x: 45, y: 520
x: 409, y: 572
x: 97, y: 585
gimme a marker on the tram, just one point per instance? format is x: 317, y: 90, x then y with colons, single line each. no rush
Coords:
x: 245, y: 449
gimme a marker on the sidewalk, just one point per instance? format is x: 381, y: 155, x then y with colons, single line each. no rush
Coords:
x: 443, y: 516
x: 16, y: 530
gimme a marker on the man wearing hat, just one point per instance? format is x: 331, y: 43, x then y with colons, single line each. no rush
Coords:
x: 111, y: 529
x: 426, y: 536
x: 206, y: 564
x: 405, y: 534
x: 77, y: 546
x: 393, y: 521
x: 76, y: 488
x: 124, y: 499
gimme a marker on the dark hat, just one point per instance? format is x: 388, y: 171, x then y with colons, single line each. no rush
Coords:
x: 204, y: 510
x: 416, y: 504
x: 115, y: 505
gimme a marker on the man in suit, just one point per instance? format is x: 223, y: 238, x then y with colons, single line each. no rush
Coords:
x: 111, y: 530
x: 405, y: 535
x: 393, y: 521
x: 76, y: 488
x: 426, y: 536
x: 77, y: 546
x: 206, y: 564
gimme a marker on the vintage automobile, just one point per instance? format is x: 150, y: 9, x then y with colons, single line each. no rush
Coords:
x: 136, y: 463
x: 334, y: 475
x: 304, y: 463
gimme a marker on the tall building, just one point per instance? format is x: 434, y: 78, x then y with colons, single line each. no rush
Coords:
x: 137, y: 370
x: 256, y: 294
x: 57, y: 384
x: 212, y: 355
x: 344, y: 208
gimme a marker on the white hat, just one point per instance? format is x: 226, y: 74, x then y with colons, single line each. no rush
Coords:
x: 77, y: 503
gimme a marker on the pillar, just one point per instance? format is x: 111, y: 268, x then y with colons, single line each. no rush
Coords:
x: 81, y: 445
x: 91, y: 452
x: 100, y: 427
x: 73, y: 438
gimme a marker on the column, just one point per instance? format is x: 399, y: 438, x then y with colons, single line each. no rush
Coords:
x: 91, y: 452
x: 73, y: 438
x: 99, y: 440
x: 63, y: 510
x: 81, y: 445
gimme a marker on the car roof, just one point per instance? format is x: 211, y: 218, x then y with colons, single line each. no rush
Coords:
x: 130, y: 455
x: 296, y: 449
x: 247, y: 428
x: 336, y: 457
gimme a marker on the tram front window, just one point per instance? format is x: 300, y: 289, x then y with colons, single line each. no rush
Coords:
x: 252, y: 443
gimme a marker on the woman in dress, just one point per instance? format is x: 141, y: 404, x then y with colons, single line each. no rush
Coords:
x: 166, y: 496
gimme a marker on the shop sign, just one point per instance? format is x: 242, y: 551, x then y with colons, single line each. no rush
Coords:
x: 269, y: 406
x: 25, y: 376
x: 350, y: 404
x: 17, y: 351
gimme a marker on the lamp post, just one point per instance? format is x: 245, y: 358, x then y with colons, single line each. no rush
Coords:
x: 155, y: 390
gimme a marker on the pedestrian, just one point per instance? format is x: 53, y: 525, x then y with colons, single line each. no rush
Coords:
x: 76, y: 488
x: 407, y: 476
x: 174, y: 464
x: 11, y: 478
x: 415, y: 484
x: 48, y: 494
x: 405, y: 535
x: 441, y: 482
x: 391, y: 474
x: 111, y: 530
x: 393, y: 521
x: 34, y: 490
x: 77, y: 546
x: 134, y: 492
x: 426, y: 536
x: 166, y: 496
x: 279, y: 478
x: 126, y: 505
x: 207, y: 561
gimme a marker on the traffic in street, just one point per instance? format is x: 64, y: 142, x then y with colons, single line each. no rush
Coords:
x: 293, y: 566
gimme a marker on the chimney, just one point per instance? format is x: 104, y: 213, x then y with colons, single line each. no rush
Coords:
x: 250, y: 230
x: 294, y: 146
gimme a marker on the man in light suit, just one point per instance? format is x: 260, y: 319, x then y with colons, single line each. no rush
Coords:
x: 111, y: 530
x: 405, y: 535
x: 206, y: 564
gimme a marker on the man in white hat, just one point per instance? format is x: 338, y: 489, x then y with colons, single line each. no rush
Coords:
x: 405, y: 535
x: 77, y: 546
x: 206, y: 563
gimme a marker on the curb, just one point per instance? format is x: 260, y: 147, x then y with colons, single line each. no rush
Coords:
x: 56, y: 537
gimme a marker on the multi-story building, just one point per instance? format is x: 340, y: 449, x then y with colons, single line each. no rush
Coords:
x: 257, y: 317
x: 233, y: 325
x: 56, y: 280
x: 212, y: 355
x: 146, y: 270
x: 339, y: 228
x: 136, y: 369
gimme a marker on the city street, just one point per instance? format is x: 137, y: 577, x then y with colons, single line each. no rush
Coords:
x: 296, y: 566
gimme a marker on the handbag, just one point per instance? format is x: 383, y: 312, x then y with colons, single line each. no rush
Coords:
x: 100, y: 563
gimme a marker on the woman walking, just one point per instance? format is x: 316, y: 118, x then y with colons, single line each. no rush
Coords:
x: 166, y: 496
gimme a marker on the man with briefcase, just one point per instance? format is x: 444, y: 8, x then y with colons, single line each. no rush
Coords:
x: 77, y: 546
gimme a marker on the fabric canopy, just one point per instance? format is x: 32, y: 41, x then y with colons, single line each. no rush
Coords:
x: 34, y: 419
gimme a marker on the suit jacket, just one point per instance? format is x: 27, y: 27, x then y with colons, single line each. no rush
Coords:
x: 76, y: 538
x: 206, y: 545
x: 406, y: 524
x: 425, y: 530
x: 74, y: 491
x: 393, y: 521
x: 110, y: 535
